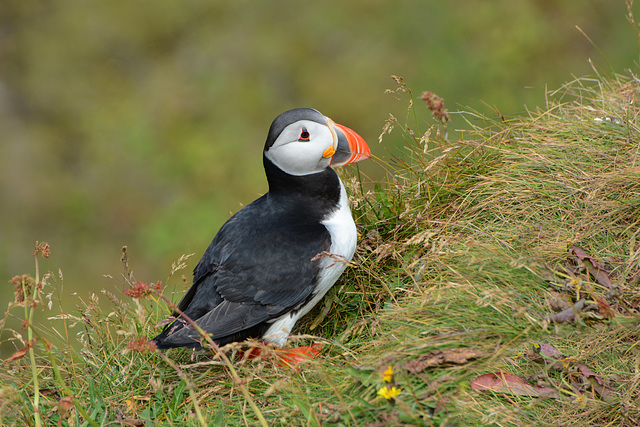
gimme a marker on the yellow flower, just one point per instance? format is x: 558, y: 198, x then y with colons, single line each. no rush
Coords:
x: 389, y: 393
x: 388, y: 374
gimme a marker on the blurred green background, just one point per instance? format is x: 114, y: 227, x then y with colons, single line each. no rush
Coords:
x: 141, y: 123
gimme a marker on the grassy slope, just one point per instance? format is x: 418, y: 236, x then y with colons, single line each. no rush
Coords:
x: 464, y: 249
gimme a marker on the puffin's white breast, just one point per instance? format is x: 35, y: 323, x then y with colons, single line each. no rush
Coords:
x: 344, y: 236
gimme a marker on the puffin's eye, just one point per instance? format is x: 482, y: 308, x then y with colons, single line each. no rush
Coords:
x: 304, y: 135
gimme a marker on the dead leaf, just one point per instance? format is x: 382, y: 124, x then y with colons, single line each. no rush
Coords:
x: 503, y: 382
x: 593, y: 267
x: 455, y: 356
x: 584, y: 370
x: 461, y: 355
x: 567, y: 315
x: 547, y: 353
x: 16, y: 356
x: 595, y: 381
x: 65, y: 404
x: 549, y: 350
x: 134, y: 422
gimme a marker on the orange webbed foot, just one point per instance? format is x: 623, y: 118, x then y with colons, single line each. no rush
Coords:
x: 292, y: 357
x: 298, y: 355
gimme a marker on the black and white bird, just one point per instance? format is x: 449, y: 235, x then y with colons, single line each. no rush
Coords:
x: 274, y: 260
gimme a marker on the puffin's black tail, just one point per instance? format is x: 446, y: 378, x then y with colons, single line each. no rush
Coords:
x: 166, y: 339
x: 169, y: 339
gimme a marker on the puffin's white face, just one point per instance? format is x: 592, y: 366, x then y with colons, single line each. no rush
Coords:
x: 304, y: 147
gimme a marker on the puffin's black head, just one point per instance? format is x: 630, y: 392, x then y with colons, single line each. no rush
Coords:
x: 303, y: 141
x: 290, y: 117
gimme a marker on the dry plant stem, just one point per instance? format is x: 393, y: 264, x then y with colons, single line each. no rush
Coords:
x: 225, y: 359
x: 28, y: 315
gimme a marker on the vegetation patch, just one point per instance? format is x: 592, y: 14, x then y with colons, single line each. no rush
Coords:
x: 497, y: 282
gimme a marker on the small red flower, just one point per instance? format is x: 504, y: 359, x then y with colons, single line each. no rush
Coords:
x: 142, y: 290
x: 18, y: 289
x: 436, y: 105
x: 142, y: 345
x: 43, y: 248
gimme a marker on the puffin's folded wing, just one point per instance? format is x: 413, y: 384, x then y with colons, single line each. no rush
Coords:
x: 227, y: 321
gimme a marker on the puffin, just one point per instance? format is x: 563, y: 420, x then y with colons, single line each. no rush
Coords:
x: 275, y: 259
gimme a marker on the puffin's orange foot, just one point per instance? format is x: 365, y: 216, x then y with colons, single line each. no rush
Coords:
x: 297, y: 355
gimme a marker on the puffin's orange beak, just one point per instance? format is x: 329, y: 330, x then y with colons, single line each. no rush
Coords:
x: 350, y: 148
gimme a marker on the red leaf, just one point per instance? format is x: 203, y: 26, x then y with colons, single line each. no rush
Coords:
x: 503, y: 382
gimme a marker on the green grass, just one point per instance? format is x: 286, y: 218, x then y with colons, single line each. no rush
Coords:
x: 463, y: 250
